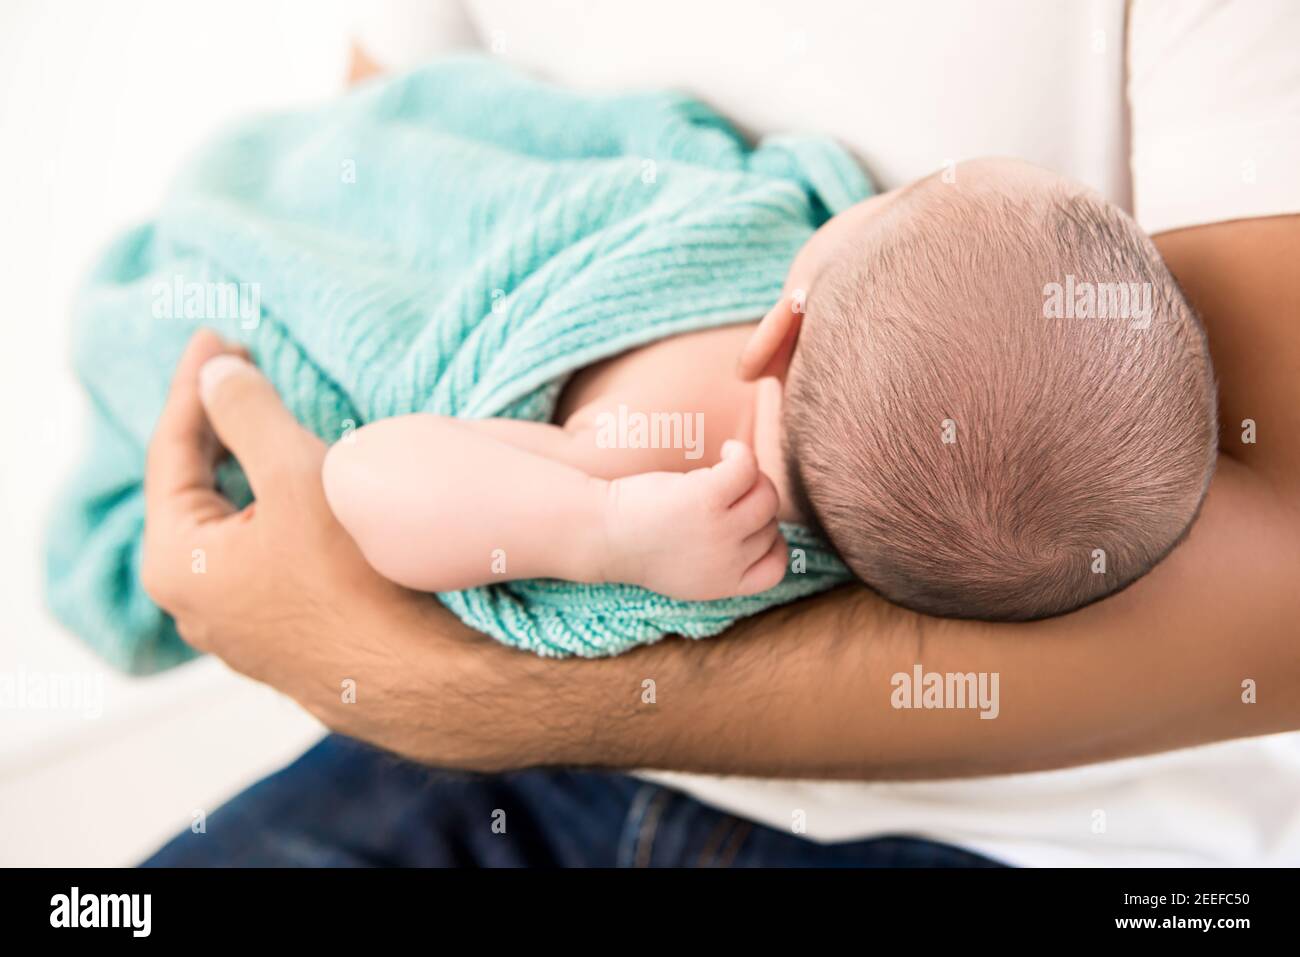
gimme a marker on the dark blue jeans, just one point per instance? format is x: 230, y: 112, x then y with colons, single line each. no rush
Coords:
x: 345, y: 804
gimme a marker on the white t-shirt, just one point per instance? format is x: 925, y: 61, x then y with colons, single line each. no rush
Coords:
x: 1182, y: 111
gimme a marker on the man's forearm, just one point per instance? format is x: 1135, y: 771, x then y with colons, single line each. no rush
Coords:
x: 807, y: 690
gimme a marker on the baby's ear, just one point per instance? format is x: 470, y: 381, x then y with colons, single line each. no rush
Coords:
x: 768, y: 351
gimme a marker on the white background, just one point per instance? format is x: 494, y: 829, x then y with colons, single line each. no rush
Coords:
x: 100, y: 103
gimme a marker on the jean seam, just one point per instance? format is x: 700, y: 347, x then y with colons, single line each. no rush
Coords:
x: 724, y: 843
x: 645, y: 840
x: 737, y: 841
x: 634, y: 824
x: 709, y: 852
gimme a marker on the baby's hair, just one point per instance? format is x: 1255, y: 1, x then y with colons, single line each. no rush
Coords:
x: 968, y: 449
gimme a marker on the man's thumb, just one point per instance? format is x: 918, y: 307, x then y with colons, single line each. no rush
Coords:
x: 249, y: 418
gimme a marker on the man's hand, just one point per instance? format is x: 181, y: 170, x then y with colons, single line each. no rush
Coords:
x: 288, y: 599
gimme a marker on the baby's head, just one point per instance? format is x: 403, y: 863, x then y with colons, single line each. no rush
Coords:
x: 999, y: 405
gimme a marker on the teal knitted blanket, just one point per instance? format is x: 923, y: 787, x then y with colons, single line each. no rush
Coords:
x: 457, y: 240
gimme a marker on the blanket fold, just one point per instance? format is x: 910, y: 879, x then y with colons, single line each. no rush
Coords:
x: 458, y: 240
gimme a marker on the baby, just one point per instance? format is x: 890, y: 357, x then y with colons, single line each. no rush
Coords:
x: 993, y: 402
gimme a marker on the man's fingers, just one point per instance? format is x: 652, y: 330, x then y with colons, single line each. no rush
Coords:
x: 251, y: 421
x: 180, y: 493
x: 183, y: 449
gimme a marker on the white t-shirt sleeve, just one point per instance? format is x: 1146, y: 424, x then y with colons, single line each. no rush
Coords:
x: 398, y: 34
x: 1214, y: 103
